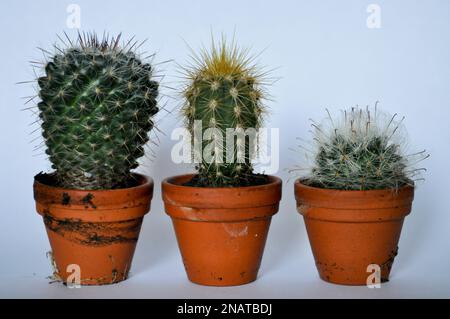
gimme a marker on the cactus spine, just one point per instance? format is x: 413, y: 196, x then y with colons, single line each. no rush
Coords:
x: 224, y: 92
x: 97, y: 104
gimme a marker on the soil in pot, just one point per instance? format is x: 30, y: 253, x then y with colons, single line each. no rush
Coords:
x: 350, y: 230
x: 221, y: 232
x: 93, y: 231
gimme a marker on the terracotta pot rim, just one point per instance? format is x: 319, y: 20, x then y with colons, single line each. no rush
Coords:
x: 170, y: 180
x: 300, y: 183
x: 147, y: 180
x: 220, y: 204
x: 94, y: 205
x: 353, y: 206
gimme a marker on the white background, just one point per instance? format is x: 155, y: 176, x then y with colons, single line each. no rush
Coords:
x: 327, y: 57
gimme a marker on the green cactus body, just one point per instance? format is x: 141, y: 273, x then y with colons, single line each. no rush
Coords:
x: 359, y: 165
x: 362, y: 151
x: 223, y: 93
x: 97, y: 104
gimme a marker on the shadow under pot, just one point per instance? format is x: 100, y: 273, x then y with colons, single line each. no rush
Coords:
x: 92, y: 232
x: 353, y: 234
x: 221, y: 232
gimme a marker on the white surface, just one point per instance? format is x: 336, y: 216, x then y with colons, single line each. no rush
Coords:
x: 327, y: 58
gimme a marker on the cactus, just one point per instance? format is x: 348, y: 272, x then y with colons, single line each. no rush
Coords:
x: 362, y: 150
x: 97, y: 101
x: 224, y: 92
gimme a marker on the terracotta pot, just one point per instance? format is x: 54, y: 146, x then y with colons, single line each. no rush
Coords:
x: 221, y: 232
x: 349, y: 230
x: 94, y: 229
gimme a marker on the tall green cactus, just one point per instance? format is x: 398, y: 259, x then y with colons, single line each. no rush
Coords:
x: 97, y: 104
x: 224, y: 92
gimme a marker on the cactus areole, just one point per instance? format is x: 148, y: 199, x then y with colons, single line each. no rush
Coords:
x: 224, y: 91
x: 97, y: 102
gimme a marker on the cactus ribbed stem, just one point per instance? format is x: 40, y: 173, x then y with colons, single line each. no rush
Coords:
x: 224, y: 92
x: 97, y: 104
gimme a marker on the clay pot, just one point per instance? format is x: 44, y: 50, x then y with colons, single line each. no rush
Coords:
x: 95, y: 230
x: 350, y: 230
x: 221, y: 232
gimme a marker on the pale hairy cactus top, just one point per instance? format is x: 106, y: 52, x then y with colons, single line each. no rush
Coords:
x: 97, y: 103
x: 224, y: 91
x: 363, y: 149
